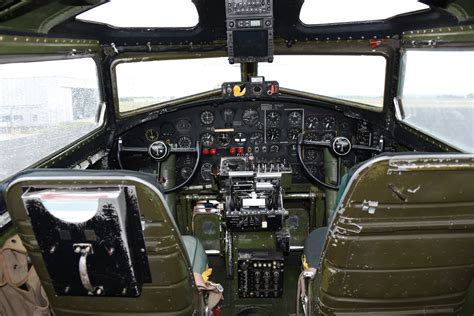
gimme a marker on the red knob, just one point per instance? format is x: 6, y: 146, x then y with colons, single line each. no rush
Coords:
x: 232, y: 151
x: 213, y: 151
x: 240, y: 150
x: 205, y: 151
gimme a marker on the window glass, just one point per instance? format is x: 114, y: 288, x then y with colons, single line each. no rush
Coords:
x: 43, y: 107
x: 345, y: 11
x: 438, y: 95
x: 354, y: 78
x: 140, y: 84
x: 144, y: 13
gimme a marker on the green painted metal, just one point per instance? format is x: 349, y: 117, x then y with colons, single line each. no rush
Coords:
x: 331, y: 174
x: 37, y: 46
x: 402, y: 239
x: 463, y: 33
x: 168, y: 172
x: 172, y: 291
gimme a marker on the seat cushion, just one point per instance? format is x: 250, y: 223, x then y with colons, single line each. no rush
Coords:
x: 196, y: 253
x: 313, y: 246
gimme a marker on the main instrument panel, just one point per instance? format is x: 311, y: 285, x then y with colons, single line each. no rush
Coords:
x: 267, y: 131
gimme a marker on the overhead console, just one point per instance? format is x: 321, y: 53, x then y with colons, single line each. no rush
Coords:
x: 249, y: 30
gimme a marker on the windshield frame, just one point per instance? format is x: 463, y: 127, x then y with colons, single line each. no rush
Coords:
x: 319, y: 47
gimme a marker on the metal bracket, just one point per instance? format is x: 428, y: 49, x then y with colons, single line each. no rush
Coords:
x: 370, y: 206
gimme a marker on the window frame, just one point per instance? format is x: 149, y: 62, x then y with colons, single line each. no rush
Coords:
x: 398, y: 102
x: 102, y: 114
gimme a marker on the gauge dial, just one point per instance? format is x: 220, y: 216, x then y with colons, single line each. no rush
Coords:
x: 167, y: 129
x: 184, y: 142
x: 151, y: 135
x: 240, y: 138
x: 207, y: 117
x: 256, y: 138
x: 311, y: 122
x: 186, y: 172
x: 327, y: 137
x: 273, y: 118
x: 207, y: 139
x: 273, y: 135
x: 223, y: 139
x: 329, y: 123
x: 311, y: 136
x: 345, y: 126
x: 183, y: 125
x: 274, y: 148
x: 206, y: 171
x: 311, y: 155
x: 293, y: 134
x: 295, y: 118
x: 250, y: 117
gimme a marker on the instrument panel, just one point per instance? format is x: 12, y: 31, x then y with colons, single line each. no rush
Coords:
x: 263, y: 130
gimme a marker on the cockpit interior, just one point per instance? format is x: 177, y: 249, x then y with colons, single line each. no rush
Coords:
x: 258, y: 162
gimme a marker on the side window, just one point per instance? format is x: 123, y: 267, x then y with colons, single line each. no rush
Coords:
x: 45, y: 106
x: 437, y: 95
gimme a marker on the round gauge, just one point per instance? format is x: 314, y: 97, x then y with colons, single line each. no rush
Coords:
x: 311, y: 122
x: 293, y: 134
x: 273, y: 135
x: 295, y: 118
x: 223, y: 139
x: 207, y: 139
x: 183, y: 125
x: 207, y: 117
x: 184, y: 142
x: 311, y: 154
x: 250, y: 117
x: 311, y: 136
x: 327, y: 137
x: 186, y: 172
x: 151, y: 135
x: 344, y: 126
x: 256, y: 138
x: 228, y: 115
x: 315, y: 170
x: 329, y: 123
x: 206, y: 171
x: 273, y: 118
x: 341, y: 146
x: 167, y: 129
x: 274, y: 148
x: 240, y: 138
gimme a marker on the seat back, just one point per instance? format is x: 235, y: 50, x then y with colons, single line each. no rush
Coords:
x: 137, y: 261
x: 402, y: 238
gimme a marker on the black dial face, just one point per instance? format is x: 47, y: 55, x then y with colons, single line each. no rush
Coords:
x: 256, y: 138
x: 273, y: 135
x: 184, y: 142
x: 183, y: 125
x: 167, y: 129
x: 311, y: 155
x: 207, y: 139
x: 273, y: 118
x: 185, y: 172
x: 250, y: 117
x: 224, y: 139
x: 311, y: 136
x: 240, y: 138
x: 151, y: 135
x: 329, y: 123
x: 206, y: 171
x: 207, y: 117
x: 327, y: 137
x: 311, y: 122
x: 274, y: 148
x: 295, y: 118
x: 293, y: 134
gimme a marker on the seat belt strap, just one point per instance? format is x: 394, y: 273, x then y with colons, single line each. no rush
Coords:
x: 301, y: 297
x: 214, y: 290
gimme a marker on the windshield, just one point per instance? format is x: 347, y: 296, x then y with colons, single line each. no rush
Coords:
x: 348, y: 77
x: 438, y: 95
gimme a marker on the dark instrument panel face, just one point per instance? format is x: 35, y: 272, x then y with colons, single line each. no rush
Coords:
x: 266, y: 130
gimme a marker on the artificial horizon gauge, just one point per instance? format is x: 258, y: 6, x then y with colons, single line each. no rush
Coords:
x: 250, y: 117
